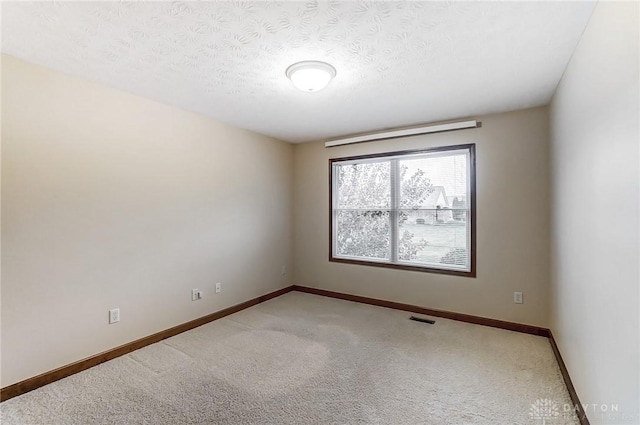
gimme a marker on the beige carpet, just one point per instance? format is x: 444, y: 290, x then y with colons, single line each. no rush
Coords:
x: 305, y: 359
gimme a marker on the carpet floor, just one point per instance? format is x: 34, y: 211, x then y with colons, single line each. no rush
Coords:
x: 306, y: 359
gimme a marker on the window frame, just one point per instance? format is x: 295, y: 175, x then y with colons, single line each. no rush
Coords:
x: 386, y: 263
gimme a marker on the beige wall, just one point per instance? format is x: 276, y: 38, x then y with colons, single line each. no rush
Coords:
x: 110, y: 200
x: 595, y: 213
x: 512, y: 224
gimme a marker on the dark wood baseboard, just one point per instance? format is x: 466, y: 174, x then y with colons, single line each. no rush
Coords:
x: 582, y: 415
x: 494, y: 323
x: 62, y: 372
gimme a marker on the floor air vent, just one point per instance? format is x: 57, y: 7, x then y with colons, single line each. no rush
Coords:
x: 420, y: 319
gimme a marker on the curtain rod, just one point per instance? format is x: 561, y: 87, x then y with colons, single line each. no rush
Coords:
x: 437, y: 128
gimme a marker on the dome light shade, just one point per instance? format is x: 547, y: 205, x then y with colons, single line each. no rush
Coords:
x: 310, y: 76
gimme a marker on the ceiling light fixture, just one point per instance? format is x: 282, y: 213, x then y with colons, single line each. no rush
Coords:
x: 310, y: 76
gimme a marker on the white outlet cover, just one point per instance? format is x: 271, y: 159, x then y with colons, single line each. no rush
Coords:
x: 218, y: 287
x: 114, y: 315
x: 517, y: 298
x: 196, y: 295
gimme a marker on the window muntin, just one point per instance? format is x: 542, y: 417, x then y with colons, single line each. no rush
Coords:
x: 412, y: 209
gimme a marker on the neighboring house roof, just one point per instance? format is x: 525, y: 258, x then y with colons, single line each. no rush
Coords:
x: 437, y: 197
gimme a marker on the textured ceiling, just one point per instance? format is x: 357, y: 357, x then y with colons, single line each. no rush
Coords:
x: 398, y: 63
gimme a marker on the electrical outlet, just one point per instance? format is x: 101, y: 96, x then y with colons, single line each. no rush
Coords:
x: 284, y: 269
x: 218, y: 287
x: 114, y: 315
x: 517, y: 298
x: 196, y: 295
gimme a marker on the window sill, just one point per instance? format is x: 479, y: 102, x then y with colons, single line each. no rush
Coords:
x: 462, y: 273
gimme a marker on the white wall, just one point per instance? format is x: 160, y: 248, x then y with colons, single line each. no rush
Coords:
x: 512, y: 224
x: 595, y: 212
x: 110, y: 200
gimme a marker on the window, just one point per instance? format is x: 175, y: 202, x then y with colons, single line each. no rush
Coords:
x: 411, y: 210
